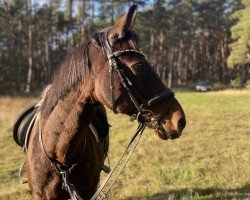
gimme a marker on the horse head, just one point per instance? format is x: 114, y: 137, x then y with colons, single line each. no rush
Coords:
x: 126, y: 83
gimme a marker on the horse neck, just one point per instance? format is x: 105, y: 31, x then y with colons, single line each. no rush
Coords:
x: 66, y: 126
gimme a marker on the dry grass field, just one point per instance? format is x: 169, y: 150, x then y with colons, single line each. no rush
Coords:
x: 211, y: 160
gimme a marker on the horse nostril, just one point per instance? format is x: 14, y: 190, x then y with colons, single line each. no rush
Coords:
x: 181, y: 124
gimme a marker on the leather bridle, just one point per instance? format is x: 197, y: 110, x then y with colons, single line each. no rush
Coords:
x: 142, y: 105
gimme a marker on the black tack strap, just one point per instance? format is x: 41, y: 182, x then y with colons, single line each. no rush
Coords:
x: 112, y: 87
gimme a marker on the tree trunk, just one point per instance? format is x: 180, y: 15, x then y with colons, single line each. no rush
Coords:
x: 20, y: 55
x: 160, y: 56
x: 47, y: 60
x: 151, y: 50
x: 170, y: 70
x: 29, y: 46
x: 180, y: 62
x: 10, y: 36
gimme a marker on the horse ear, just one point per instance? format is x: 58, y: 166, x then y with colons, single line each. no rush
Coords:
x: 125, y: 23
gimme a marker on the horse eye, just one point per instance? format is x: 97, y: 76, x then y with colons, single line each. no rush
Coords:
x: 138, y: 67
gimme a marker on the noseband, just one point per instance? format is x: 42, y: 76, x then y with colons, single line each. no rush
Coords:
x: 142, y: 105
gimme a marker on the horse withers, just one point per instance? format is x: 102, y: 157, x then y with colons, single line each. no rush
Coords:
x: 111, y: 70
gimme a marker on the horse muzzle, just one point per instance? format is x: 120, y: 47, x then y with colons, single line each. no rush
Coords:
x: 165, y: 134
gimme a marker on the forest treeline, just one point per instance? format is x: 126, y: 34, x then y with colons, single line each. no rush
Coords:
x: 185, y: 40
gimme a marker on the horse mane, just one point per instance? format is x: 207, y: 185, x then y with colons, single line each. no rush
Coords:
x: 70, y: 74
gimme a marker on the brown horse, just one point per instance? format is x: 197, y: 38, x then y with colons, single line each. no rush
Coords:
x: 109, y: 69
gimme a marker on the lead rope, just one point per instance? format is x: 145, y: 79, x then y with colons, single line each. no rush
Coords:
x: 102, y: 192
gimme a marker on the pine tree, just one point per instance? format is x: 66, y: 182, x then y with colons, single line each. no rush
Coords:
x: 240, y: 47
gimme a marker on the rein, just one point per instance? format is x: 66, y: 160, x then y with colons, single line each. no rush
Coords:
x: 126, y: 156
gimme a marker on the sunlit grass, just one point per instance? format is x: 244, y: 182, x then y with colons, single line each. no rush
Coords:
x: 211, y: 160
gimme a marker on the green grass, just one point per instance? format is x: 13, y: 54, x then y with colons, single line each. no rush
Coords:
x: 211, y: 160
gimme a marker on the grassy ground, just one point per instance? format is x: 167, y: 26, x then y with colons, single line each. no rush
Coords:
x: 210, y: 161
